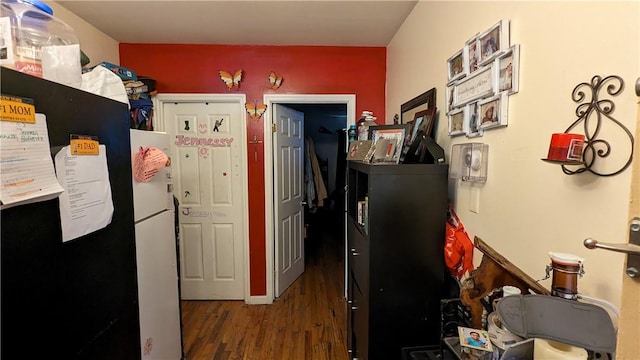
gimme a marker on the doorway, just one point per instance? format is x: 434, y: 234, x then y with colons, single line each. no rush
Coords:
x: 209, y: 173
x: 311, y: 104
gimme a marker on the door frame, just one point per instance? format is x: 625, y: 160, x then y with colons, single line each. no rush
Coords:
x: 239, y: 100
x: 269, y: 100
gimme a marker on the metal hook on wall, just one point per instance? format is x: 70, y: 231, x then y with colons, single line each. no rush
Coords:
x: 592, y: 113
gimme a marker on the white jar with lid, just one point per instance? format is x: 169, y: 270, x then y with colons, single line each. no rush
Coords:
x: 26, y: 28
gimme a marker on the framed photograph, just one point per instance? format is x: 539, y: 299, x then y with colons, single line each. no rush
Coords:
x: 471, y: 48
x: 449, y: 97
x: 456, y: 122
x: 427, y: 122
x: 494, y: 41
x: 508, y: 69
x: 413, y: 129
x: 475, y: 338
x: 376, y: 131
x: 456, y: 66
x: 387, y: 141
x: 421, y: 102
x: 358, y: 149
x: 492, y: 112
x: 471, y: 128
x: 480, y: 85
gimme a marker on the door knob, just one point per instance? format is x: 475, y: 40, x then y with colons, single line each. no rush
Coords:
x: 303, y: 203
x: 628, y: 249
x: 632, y: 249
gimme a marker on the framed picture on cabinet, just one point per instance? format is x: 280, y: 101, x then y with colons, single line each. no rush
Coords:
x: 508, y: 70
x: 456, y: 66
x: 427, y: 122
x: 494, y: 41
x: 424, y: 101
x: 387, y: 141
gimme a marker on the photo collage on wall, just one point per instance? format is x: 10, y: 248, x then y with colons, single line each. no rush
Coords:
x: 481, y: 76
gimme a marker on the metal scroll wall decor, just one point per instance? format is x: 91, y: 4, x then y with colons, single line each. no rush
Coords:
x: 592, y: 114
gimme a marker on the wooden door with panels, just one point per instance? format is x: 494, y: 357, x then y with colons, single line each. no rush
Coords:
x: 288, y: 195
x: 209, y: 162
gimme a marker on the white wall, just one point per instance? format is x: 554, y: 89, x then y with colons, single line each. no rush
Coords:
x: 97, y: 45
x: 529, y: 207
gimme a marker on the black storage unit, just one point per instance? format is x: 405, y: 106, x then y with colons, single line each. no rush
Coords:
x: 396, y: 264
x: 77, y: 299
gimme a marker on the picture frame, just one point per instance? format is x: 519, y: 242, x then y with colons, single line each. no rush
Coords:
x: 423, y: 121
x: 492, y: 112
x: 471, y: 128
x: 449, y: 98
x: 457, y: 66
x: 480, y: 342
x: 508, y: 70
x: 358, y: 149
x: 428, y: 120
x: 388, y: 141
x: 471, y: 48
x: 494, y: 41
x: 421, y: 102
x: 378, y: 130
x: 481, y: 84
x: 413, y: 129
x: 457, y: 121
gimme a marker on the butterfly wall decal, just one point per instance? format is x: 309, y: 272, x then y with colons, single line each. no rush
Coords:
x: 275, y: 80
x: 255, y: 110
x: 230, y: 80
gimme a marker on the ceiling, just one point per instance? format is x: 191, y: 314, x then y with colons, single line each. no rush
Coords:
x: 239, y: 22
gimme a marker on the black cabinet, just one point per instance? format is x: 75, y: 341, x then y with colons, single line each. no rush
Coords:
x: 395, y: 265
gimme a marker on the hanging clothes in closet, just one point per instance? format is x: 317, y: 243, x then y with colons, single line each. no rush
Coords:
x: 314, y: 183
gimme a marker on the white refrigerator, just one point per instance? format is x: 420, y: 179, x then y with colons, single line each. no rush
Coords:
x: 156, y: 255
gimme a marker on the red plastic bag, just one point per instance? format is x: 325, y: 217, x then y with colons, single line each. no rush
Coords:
x: 458, y: 248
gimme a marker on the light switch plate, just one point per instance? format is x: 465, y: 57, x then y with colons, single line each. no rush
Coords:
x: 474, y: 200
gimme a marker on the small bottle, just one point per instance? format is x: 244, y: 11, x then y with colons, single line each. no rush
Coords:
x: 363, y: 131
x: 353, y: 133
x: 363, y: 125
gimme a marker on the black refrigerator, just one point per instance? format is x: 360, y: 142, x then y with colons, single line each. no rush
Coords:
x: 77, y: 299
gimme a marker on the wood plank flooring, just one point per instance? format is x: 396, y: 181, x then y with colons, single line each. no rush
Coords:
x: 307, y: 322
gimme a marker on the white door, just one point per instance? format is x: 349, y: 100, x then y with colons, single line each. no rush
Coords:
x: 207, y: 164
x: 288, y: 158
x: 629, y: 328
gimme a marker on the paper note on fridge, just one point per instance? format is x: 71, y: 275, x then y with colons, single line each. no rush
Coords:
x: 86, y: 204
x: 147, y: 162
x: 26, y: 168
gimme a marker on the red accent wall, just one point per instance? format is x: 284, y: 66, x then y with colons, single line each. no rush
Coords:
x: 304, y: 69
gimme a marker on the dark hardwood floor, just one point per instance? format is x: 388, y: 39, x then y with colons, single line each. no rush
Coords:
x: 307, y: 322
